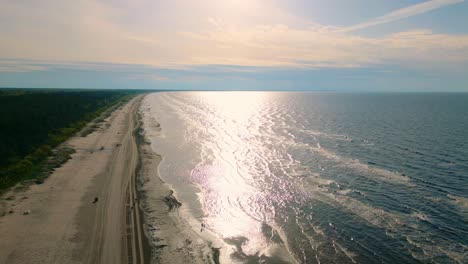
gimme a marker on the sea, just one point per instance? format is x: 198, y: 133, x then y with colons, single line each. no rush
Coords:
x: 311, y: 177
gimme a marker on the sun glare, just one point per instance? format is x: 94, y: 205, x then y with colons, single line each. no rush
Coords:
x: 238, y: 105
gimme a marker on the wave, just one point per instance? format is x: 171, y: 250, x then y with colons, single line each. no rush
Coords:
x: 316, y: 133
x: 459, y: 202
x: 370, y: 171
x: 351, y: 255
x: 402, y: 226
x: 381, y: 174
x: 419, y: 215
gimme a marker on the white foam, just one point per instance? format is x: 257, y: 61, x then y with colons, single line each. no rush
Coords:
x: 351, y: 255
x: 461, y: 202
x: 370, y: 171
x: 421, y: 216
x: 345, y: 191
x: 316, y: 133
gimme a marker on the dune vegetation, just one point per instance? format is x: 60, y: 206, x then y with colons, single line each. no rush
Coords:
x: 35, y: 122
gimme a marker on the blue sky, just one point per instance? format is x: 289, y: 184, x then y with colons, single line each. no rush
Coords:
x: 352, y: 45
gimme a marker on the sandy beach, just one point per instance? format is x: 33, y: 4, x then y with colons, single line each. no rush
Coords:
x: 98, y: 206
x: 173, y: 238
x: 86, y: 211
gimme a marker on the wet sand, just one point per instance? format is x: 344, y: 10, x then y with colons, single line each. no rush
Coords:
x: 86, y: 211
x: 172, y: 238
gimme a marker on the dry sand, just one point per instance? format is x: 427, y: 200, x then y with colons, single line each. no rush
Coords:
x: 57, y: 222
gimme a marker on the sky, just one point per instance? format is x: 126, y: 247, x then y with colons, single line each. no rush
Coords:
x: 333, y: 45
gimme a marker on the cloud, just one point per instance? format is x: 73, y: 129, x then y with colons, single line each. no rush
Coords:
x: 403, y: 13
x: 18, y: 66
x: 183, y: 34
x: 319, y: 47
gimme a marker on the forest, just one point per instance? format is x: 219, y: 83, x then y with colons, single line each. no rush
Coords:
x: 34, y: 122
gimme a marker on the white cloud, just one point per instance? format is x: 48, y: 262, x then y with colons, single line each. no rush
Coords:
x: 188, y: 33
x: 404, y: 13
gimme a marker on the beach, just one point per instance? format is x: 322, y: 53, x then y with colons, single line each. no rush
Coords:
x: 173, y: 237
x: 93, y: 208
x: 86, y: 211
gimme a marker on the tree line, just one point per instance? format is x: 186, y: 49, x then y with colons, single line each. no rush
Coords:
x: 32, y: 123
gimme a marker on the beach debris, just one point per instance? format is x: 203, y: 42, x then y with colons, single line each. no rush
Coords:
x: 160, y: 246
x: 101, y: 148
x: 216, y: 254
x: 118, y: 145
x: 11, y: 211
x: 26, y: 212
x: 96, y: 199
x: 171, y: 201
x: 39, y: 181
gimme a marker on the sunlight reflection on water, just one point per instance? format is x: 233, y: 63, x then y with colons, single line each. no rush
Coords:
x: 226, y: 181
x: 310, y: 176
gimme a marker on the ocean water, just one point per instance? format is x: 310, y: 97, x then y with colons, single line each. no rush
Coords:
x: 320, y: 177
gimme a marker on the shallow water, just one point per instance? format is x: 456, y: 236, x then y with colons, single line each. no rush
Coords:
x: 320, y: 177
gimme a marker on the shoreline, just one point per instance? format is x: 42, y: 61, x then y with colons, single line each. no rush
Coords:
x: 140, y: 140
x: 169, y: 235
x: 87, y: 210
